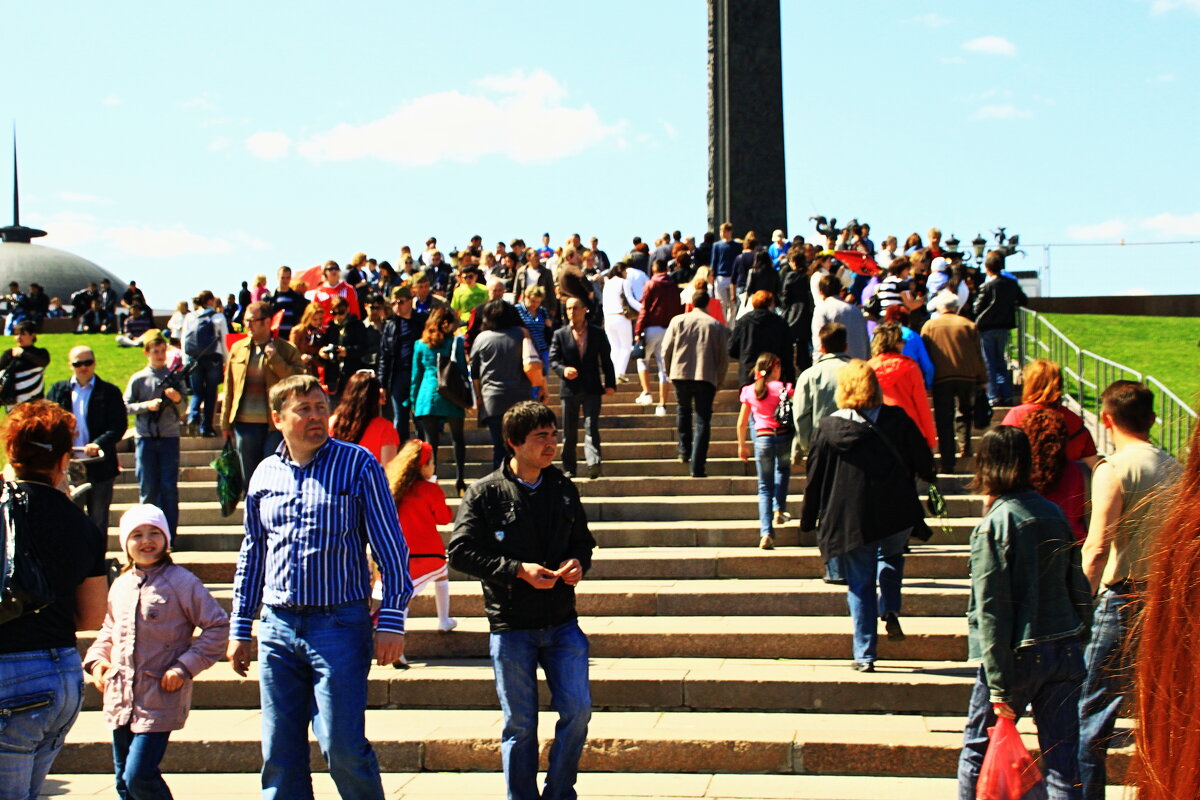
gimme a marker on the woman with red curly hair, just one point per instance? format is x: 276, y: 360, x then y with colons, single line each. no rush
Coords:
x: 1043, y: 388
x: 1056, y: 477
x: 41, y: 674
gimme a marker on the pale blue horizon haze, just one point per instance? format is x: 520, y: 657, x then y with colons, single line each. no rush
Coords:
x: 190, y: 147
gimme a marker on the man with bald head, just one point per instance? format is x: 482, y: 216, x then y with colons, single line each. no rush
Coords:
x: 100, y: 422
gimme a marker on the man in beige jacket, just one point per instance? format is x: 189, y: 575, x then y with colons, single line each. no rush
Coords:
x: 958, y: 371
x: 256, y: 363
x: 695, y: 351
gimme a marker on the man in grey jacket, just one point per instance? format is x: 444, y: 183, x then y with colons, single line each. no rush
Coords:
x: 695, y: 351
x: 155, y: 397
x: 817, y: 385
x: 833, y: 309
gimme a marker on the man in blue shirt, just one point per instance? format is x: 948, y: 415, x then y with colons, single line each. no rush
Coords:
x: 723, y: 254
x: 311, y: 509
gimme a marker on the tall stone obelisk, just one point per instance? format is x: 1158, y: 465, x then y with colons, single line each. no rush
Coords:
x: 745, y: 117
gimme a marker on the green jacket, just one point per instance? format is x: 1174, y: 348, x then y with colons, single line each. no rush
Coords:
x: 815, y: 390
x: 1027, y: 585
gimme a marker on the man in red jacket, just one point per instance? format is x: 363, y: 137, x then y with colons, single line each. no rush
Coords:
x: 660, y: 303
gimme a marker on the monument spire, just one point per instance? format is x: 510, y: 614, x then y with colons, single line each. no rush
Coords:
x: 17, y: 232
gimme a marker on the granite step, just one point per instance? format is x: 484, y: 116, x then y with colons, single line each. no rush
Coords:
x: 657, y: 684
x: 440, y: 740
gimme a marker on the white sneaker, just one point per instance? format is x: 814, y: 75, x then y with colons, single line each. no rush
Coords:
x: 661, y: 411
x: 447, y: 626
x: 644, y: 399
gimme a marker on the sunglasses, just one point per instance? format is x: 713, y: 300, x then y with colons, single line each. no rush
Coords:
x: 87, y: 362
x: 339, y: 313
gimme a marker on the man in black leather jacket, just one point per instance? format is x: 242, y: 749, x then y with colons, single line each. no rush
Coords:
x: 102, y: 425
x: 523, y: 532
x: 396, y: 344
x: 995, y: 317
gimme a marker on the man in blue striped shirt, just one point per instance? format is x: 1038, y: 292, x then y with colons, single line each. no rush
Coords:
x: 311, y: 510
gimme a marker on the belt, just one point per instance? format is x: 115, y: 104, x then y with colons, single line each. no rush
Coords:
x: 325, y: 609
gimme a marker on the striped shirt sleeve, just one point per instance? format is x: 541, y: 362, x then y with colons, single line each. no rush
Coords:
x: 388, y: 545
x: 248, y: 580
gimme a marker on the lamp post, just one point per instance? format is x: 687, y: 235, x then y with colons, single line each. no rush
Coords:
x: 952, y: 244
x: 978, y: 245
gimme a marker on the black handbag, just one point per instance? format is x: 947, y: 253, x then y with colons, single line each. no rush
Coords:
x: 24, y: 587
x: 450, y: 384
x: 983, y: 410
x: 783, y: 411
x: 639, y: 347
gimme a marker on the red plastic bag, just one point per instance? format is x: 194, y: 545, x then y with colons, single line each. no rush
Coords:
x: 1008, y: 771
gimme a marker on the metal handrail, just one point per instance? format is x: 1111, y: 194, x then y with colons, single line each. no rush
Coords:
x: 1087, y: 374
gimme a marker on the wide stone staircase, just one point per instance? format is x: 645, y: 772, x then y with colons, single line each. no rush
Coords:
x: 718, y: 669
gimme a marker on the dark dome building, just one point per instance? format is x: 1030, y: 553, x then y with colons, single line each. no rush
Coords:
x: 60, y: 273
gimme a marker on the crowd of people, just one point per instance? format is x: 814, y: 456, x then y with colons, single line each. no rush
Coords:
x: 837, y: 350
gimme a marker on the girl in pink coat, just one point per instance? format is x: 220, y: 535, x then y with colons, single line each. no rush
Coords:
x: 144, y: 658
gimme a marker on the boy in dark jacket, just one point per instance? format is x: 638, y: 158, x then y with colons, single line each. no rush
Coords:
x: 523, y: 532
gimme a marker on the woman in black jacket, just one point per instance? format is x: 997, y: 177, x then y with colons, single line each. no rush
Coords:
x: 795, y: 303
x: 343, y: 348
x: 761, y: 331
x: 862, y: 501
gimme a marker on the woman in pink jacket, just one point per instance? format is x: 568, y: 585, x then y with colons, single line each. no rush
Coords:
x: 144, y: 658
x: 901, y: 379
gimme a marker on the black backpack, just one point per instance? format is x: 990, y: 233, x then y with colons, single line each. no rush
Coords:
x: 202, y: 339
x: 24, y: 588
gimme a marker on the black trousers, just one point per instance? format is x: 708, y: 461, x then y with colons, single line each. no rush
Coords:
x: 694, y: 431
x: 571, y: 406
x: 946, y: 394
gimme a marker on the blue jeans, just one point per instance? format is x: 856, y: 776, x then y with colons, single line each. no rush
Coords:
x: 773, y: 458
x: 1048, y: 675
x: 562, y: 652
x: 499, y: 452
x: 878, y: 565
x: 204, y: 381
x: 398, y: 398
x: 694, y: 431
x: 43, y: 691
x: 313, y: 667
x: 254, y: 442
x: 158, y: 476
x: 1109, y: 663
x: 136, y: 757
x: 994, y: 344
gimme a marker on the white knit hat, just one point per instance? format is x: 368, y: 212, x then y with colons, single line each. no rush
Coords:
x: 940, y: 264
x: 142, y: 514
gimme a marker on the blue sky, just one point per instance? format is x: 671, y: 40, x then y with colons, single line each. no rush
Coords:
x: 190, y: 147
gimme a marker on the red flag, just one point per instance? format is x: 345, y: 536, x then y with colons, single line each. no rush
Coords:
x: 276, y: 321
x: 858, y: 262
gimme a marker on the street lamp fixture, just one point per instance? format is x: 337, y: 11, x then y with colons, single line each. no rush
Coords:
x: 978, y: 244
x: 952, y: 244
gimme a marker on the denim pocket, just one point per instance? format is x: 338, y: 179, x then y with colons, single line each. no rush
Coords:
x: 353, y: 617
x: 24, y: 721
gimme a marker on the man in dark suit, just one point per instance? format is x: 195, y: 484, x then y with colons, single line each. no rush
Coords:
x: 581, y: 356
x: 100, y: 422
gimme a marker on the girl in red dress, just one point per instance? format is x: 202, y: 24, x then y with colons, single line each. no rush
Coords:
x: 421, y: 505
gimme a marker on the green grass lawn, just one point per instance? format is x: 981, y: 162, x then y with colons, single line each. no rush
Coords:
x: 1167, y: 348
x: 113, y: 364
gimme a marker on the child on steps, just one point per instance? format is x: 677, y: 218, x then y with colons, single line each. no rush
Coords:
x: 144, y: 659
x: 421, y: 505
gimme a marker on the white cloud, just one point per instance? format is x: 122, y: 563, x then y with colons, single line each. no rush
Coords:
x: 1112, y: 229
x: 69, y: 230
x: 269, y: 145
x: 111, y: 100
x: 1163, y: 6
x: 990, y: 45
x: 428, y: 129
x: 1174, y: 224
x: 1138, y: 292
x: 203, y: 102
x: 1165, y: 77
x: 1001, y: 112
x: 931, y: 20
x: 164, y: 242
x: 220, y: 143
x: 670, y: 130
x: 79, y: 197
